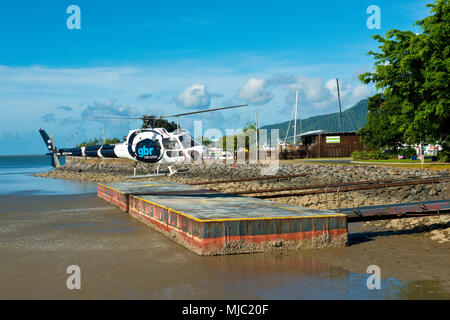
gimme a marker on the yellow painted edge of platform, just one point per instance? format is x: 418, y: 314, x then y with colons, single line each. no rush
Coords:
x: 239, y: 219
x: 110, y: 188
x: 232, y: 219
x: 151, y: 185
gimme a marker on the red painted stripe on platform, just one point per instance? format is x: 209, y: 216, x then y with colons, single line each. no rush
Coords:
x: 111, y: 199
x: 218, y: 243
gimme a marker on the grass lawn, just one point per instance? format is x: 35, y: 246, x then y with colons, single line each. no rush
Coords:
x: 324, y: 159
x: 443, y: 166
x: 398, y: 161
x: 411, y: 164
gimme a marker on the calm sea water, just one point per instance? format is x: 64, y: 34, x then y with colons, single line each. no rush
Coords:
x: 16, y: 176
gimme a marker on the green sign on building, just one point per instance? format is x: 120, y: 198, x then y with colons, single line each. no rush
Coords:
x: 333, y: 139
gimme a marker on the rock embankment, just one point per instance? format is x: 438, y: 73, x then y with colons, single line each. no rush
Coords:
x: 438, y: 227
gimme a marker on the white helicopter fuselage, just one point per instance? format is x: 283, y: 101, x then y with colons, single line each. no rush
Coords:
x: 159, y: 146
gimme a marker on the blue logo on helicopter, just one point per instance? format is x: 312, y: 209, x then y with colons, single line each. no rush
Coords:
x: 144, y: 151
x: 148, y: 150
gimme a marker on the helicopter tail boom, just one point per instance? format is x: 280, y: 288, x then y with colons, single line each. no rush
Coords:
x: 98, y: 151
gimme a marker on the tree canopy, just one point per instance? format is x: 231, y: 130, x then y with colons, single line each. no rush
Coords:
x: 206, y: 141
x: 378, y: 131
x: 96, y: 142
x: 249, y: 126
x: 150, y: 121
x: 412, y: 72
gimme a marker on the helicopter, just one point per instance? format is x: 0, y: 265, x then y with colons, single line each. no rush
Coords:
x: 148, y: 145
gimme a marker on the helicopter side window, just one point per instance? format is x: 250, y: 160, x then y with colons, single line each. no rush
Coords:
x: 170, y: 144
x: 194, y: 143
x: 187, y: 141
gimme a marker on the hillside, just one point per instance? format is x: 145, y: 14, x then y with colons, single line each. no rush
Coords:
x: 354, y: 118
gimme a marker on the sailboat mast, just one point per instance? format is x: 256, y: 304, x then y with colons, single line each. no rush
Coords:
x: 256, y: 136
x: 301, y: 127
x: 340, y: 109
x: 295, y: 117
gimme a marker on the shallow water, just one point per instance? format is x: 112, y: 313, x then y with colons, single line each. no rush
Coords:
x: 16, y: 176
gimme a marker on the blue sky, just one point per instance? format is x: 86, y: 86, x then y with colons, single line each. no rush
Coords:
x: 134, y: 57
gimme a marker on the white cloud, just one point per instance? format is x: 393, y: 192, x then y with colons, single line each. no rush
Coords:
x: 322, y: 95
x: 196, y: 96
x: 331, y: 86
x: 254, y: 91
x: 110, y: 108
x: 312, y: 88
x: 345, y: 89
x: 360, y: 92
x: 349, y: 94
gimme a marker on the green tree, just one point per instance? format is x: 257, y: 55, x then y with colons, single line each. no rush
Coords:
x: 223, y: 143
x: 150, y: 121
x: 249, y: 132
x: 249, y: 126
x: 237, y: 142
x: 378, y: 131
x: 96, y: 142
x: 412, y: 71
x: 204, y: 140
x: 112, y: 141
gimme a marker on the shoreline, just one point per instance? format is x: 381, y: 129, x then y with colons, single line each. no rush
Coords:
x: 115, y: 170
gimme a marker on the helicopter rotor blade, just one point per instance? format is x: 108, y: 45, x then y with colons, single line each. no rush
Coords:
x: 171, y: 116
x: 202, y: 111
x: 118, y: 118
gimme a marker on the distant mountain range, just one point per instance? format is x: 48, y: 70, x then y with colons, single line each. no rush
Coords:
x: 354, y: 118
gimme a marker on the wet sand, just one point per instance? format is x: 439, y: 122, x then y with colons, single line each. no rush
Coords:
x: 120, y: 258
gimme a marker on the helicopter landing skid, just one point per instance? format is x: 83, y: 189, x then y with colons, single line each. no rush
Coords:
x: 150, y: 175
x: 157, y: 173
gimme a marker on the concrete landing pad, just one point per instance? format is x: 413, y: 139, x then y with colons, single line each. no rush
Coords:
x: 209, y: 222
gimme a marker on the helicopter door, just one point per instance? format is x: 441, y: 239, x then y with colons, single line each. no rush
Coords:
x: 173, y: 148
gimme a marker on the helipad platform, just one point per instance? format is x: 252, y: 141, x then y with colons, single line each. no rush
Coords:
x: 209, y: 222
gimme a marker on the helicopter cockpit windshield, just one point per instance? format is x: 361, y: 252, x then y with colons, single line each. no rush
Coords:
x: 187, y: 141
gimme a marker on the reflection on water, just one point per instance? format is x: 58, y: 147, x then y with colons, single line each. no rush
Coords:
x: 275, y: 276
x: 16, y: 176
x: 422, y: 289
